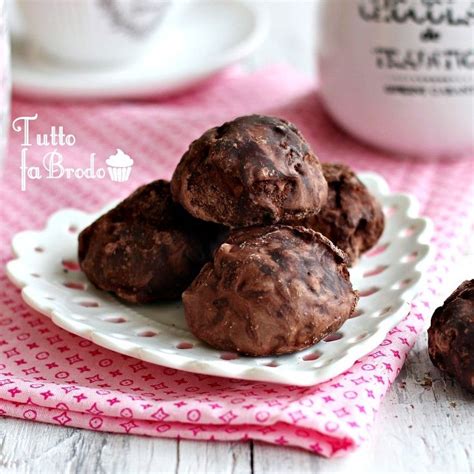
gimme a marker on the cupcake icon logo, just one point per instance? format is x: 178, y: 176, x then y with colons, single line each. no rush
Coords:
x: 119, y: 166
x: 56, y: 143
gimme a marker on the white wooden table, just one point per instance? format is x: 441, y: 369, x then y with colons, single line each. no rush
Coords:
x: 421, y: 427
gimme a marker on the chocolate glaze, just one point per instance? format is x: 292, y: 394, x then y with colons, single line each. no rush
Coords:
x: 352, y: 218
x: 147, y: 248
x: 252, y: 170
x: 451, y: 336
x: 270, y: 290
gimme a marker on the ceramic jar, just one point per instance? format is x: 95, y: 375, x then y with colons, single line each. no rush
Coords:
x: 399, y: 74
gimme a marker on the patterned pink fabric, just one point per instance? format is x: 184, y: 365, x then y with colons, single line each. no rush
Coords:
x: 49, y: 375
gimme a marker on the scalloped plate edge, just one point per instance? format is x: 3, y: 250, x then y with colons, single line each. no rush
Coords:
x: 224, y: 368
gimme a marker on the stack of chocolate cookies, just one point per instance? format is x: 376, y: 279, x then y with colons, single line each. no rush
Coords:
x: 253, y: 231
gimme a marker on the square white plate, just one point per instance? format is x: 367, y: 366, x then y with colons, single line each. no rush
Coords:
x: 387, y: 278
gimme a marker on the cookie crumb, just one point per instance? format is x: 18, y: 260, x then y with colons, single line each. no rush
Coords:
x: 427, y: 381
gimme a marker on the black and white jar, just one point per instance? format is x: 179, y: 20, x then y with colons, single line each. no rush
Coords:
x: 399, y: 74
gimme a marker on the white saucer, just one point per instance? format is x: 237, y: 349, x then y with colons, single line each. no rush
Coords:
x: 196, y: 41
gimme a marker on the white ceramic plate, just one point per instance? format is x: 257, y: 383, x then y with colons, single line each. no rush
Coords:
x: 388, y: 278
x: 197, y: 40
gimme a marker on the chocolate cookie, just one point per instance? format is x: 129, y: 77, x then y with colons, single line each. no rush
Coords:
x: 352, y: 218
x: 270, y: 290
x: 145, y: 249
x: 252, y: 170
x: 451, y: 336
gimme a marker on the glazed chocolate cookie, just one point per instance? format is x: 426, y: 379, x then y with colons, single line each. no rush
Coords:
x: 270, y: 290
x: 451, y: 336
x: 254, y: 170
x: 352, y: 218
x: 145, y: 249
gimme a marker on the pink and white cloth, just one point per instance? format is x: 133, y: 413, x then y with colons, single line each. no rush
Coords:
x: 49, y: 375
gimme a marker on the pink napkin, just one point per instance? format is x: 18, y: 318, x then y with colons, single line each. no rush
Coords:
x: 49, y: 375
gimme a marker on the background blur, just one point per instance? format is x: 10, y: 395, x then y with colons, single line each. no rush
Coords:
x: 291, y: 36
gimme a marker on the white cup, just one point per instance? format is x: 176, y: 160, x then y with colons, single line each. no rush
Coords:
x: 92, y: 32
